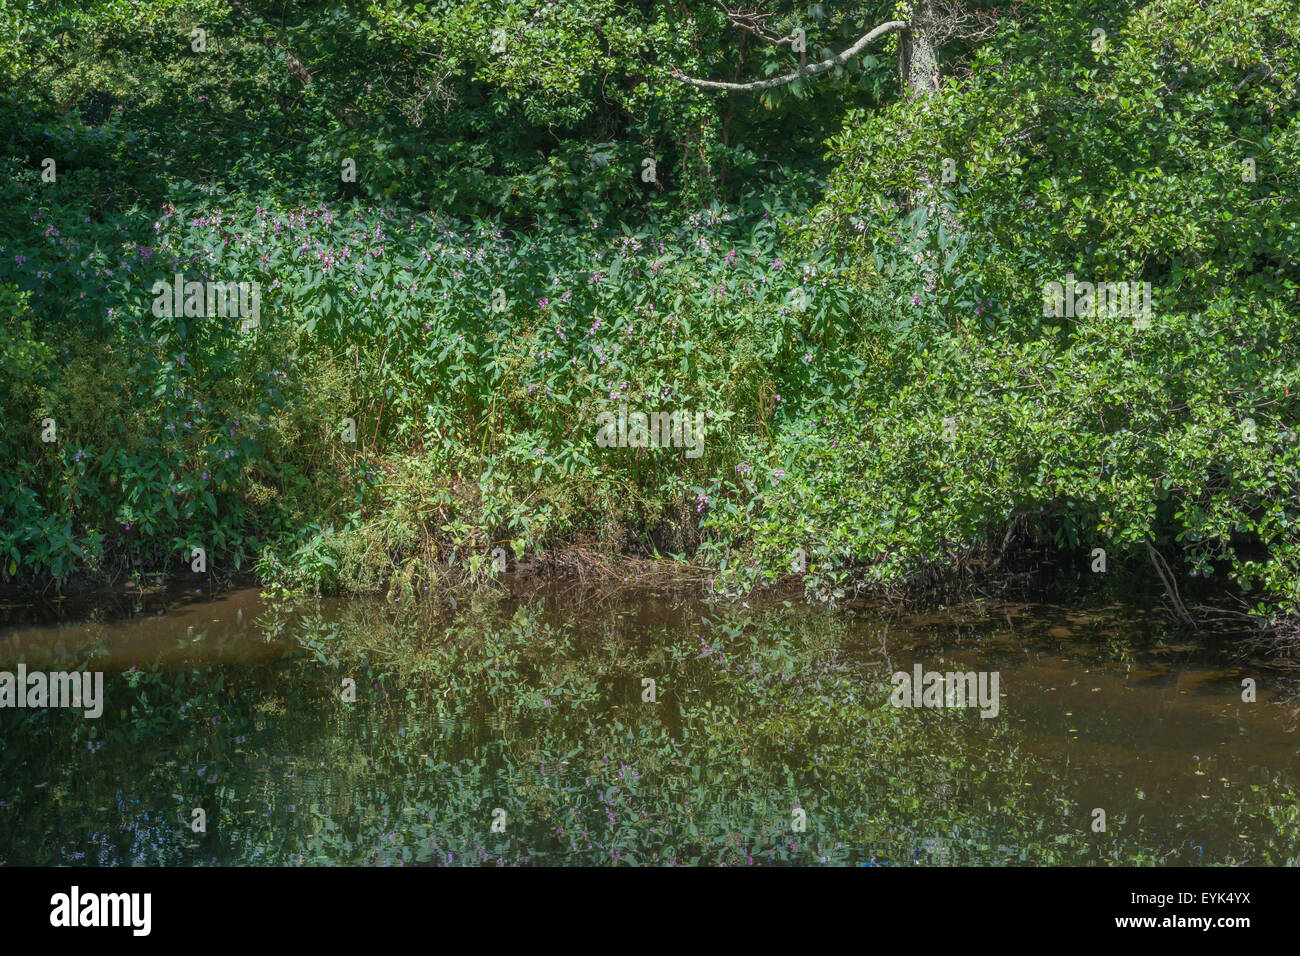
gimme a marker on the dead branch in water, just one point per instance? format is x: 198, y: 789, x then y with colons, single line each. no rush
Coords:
x: 1171, y: 587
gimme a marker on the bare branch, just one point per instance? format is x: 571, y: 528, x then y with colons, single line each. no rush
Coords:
x: 893, y: 26
x: 754, y: 22
x: 953, y: 21
x: 294, y: 65
x: 1263, y: 71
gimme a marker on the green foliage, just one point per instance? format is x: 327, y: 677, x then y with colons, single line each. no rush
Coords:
x: 1112, y: 437
x: 1123, y: 164
x: 506, y: 165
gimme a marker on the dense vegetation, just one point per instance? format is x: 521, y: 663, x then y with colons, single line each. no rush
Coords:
x: 845, y: 274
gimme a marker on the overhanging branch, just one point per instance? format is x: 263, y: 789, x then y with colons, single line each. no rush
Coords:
x: 812, y: 69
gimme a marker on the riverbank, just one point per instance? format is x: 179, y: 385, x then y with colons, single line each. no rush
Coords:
x: 386, y: 426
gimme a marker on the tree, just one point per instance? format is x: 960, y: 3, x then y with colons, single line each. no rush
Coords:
x: 918, y: 65
x: 929, y: 24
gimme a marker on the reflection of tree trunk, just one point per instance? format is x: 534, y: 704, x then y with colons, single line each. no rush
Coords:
x: 918, y: 64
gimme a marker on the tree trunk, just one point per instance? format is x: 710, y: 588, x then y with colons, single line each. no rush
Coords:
x: 918, y: 70
x: 918, y: 64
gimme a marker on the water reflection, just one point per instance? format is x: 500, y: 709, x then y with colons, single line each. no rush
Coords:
x: 533, y: 714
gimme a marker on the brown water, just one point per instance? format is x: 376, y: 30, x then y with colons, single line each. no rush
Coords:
x: 518, y: 731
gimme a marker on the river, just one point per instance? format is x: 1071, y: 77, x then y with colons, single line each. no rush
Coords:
x: 639, y: 727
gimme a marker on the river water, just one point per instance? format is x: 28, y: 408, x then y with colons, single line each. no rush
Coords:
x: 639, y: 727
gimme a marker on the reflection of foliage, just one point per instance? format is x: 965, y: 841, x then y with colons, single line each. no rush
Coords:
x: 492, y: 708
